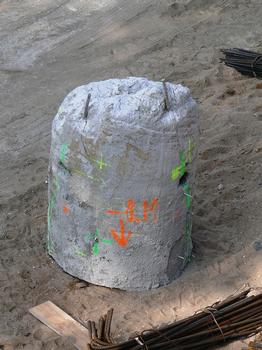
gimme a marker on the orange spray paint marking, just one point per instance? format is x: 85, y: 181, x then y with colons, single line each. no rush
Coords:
x: 131, y: 204
x: 121, y: 239
x: 114, y: 212
x: 129, y: 212
x: 151, y: 208
x: 66, y: 210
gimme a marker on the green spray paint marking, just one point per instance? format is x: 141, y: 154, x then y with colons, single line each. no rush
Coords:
x: 188, y: 241
x: 188, y: 195
x: 51, y: 206
x: 101, y: 163
x: 190, y: 150
x: 80, y: 253
x: 106, y: 241
x: 49, y: 242
x: 176, y: 173
x: 96, y: 237
x: 63, y: 151
x: 96, y: 248
x: 81, y: 173
x: 179, y: 170
x: 49, y: 222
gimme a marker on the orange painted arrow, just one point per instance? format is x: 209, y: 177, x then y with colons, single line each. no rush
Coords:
x: 121, y: 239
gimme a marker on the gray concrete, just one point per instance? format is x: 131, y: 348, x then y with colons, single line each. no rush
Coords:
x: 121, y: 181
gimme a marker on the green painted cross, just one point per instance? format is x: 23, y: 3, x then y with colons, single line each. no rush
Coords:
x: 101, y: 163
x: 96, y: 237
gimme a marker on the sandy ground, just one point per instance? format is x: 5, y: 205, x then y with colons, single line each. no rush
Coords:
x: 49, y: 47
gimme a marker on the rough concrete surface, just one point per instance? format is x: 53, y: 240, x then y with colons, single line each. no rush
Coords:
x: 122, y: 173
x: 50, y: 47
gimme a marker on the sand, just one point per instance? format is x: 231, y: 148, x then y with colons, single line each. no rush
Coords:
x: 48, y: 48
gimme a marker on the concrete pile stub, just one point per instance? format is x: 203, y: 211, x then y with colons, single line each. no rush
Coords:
x: 121, y: 178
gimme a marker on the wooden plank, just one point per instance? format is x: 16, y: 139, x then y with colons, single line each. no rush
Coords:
x: 63, y: 324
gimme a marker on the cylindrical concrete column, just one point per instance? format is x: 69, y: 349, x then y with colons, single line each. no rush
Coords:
x: 121, y: 179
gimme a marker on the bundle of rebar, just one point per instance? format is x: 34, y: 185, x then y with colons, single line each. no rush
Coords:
x: 244, y: 61
x: 239, y: 316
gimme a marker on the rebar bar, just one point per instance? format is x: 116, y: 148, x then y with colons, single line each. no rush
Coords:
x: 236, y: 317
x: 244, y: 61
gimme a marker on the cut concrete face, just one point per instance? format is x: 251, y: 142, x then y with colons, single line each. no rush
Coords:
x: 121, y: 181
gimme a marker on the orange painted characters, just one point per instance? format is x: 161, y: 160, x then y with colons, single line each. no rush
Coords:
x: 122, y: 238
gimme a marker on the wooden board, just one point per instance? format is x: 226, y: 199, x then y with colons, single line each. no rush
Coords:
x: 63, y: 324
